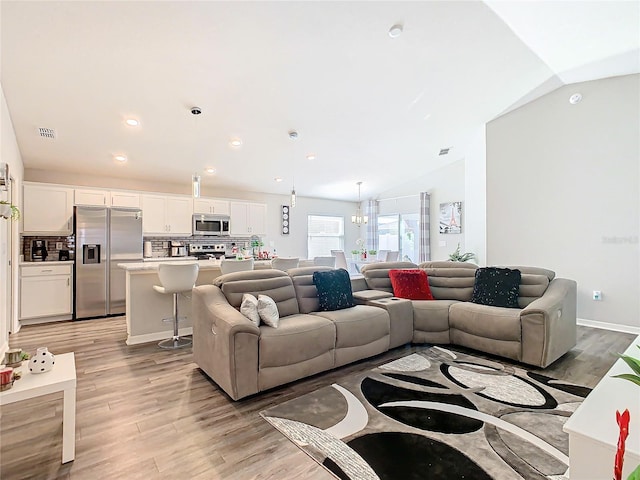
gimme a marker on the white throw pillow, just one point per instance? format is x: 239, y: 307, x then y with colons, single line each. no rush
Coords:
x: 249, y: 308
x: 268, y: 311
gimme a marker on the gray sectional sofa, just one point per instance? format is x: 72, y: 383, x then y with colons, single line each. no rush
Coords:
x: 244, y: 359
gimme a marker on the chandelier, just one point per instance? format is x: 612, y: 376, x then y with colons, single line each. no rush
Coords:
x: 358, y: 218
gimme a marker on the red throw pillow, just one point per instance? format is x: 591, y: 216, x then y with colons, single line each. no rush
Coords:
x: 411, y: 284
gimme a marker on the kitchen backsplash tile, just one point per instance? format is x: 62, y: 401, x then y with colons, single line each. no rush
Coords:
x: 68, y: 243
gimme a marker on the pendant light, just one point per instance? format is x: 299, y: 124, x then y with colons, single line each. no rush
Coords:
x: 293, y: 195
x: 358, y: 218
x: 195, y: 180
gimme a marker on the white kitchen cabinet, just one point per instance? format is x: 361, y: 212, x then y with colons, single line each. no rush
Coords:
x: 166, y: 215
x: 45, y: 290
x: 248, y: 218
x: 91, y: 197
x: 125, y: 199
x: 211, y: 206
x: 47, y: 210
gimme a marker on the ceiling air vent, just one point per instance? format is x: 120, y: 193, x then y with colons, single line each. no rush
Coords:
x: 47, y: 133
x: 444, y: 151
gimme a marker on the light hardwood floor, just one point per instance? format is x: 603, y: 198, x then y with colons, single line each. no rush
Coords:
x: 143, y: 412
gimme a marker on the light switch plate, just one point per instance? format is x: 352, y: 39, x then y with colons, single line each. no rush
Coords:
x: 59, y: 246
x: 443, y: 243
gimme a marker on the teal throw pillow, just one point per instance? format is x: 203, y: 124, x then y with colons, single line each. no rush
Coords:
x: 334, y: 289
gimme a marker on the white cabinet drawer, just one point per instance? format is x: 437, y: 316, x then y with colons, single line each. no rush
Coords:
x: 44, y: 269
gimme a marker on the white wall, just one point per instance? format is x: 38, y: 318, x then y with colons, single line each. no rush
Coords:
x: 562, y: 193
x: 447, y: 184
x: 475, y: 187
x: 9, y: 231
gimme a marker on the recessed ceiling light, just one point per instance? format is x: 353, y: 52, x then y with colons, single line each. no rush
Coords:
x: 210, y: 170
x: 278, y: 179
x: 575, y: 98
x: 235, y: 142
x: 120, y: 158
x: 132, y: 122
x: 395, y: 31
x: 311, y: 156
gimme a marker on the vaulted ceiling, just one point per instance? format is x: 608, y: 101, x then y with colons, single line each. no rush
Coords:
x: 370, y: 107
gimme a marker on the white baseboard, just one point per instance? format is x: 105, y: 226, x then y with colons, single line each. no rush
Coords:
x: 154, y: 337
x: 616, y: 327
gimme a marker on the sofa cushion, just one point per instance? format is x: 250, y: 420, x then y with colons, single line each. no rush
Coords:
x: 497, y: 287
x: 274, y: 283
x: 497, y: 323
x: 411, y: 284
x: 377, y: 274
x: 451, y: 280
x: 306, y: 291
x: 532, y: 287
x: 297, y: 339
x: 359, y: 325
x: 334, y: 289
x: 249, y: 308
x: 268, y: 311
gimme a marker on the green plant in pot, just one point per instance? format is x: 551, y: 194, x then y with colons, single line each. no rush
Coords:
x: 456, y: 256
x: 8, y: 210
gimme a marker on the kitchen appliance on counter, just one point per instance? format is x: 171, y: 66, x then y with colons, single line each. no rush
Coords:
x: 205, y: 252
x: 178, y: 249
x: 38, y: 250
x: 212, y: 225
x: 105, y: 237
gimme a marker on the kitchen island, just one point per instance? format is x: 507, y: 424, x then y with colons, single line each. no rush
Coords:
x: 145, y: 308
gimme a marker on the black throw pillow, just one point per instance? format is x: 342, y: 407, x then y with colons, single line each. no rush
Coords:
x: 334, y: 289
x: 498, y: 287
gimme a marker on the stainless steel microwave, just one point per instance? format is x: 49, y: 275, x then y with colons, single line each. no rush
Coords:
x: 213, y: 225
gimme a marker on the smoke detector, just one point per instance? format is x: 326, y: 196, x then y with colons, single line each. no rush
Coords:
x: 575, y: 98
x: 293, y: 134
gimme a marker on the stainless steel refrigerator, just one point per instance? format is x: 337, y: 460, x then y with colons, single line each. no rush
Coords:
x: 104, y: 238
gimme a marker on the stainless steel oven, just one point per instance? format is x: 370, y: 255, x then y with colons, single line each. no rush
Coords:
x: 212, y: 225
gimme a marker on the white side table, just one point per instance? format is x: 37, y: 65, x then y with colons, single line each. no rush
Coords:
x: 593, y: 430
x: 62, y: 378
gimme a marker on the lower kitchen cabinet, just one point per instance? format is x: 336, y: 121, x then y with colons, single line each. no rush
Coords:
x: 46, y: 290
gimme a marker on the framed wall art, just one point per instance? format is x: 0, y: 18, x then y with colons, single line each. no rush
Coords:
x: 451, y: 217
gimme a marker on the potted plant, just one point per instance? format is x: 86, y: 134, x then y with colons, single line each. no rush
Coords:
x: 461, y: 257
x: 8, y: 210
x: 355, y: 254
x: 373, y: 253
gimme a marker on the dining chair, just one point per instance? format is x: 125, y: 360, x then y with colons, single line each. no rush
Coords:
x: 392, y: 256
x: 284, y: 263
x: 341, y: 259
x: 325, y: 261
x: 382, y: 255
x: 228, y: 266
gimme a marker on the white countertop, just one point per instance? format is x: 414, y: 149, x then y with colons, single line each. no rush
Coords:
x: 52, y: 262
x: 167, y: 259
x: 204, y: 265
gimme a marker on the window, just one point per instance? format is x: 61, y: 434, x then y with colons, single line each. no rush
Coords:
x: 400, y: 232
x: 326, y: 233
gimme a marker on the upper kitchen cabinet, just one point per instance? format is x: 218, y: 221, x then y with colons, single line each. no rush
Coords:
x: 99, y: 198
x: 166, y: 215
x: 211, y: 206
x: 248, y: 218
x: 125, y: 199
x: 47, y: 210
x: 106, y: 198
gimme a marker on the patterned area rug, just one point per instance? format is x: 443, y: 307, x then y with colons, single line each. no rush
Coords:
x: 435, y: 414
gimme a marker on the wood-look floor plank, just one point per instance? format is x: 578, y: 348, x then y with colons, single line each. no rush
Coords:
x: 144, y: 412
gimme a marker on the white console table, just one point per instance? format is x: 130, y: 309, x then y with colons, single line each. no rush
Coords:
x: 62, y: 378
x: 593, y: 430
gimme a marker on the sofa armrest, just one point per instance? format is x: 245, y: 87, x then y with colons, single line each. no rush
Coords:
x: 225, y: 342
x: 549, y: 324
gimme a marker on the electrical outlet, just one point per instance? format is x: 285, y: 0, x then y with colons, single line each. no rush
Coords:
x: 597, y: 295
x: 59, y: 246
x: 443, y: 243
x: 165, y: 244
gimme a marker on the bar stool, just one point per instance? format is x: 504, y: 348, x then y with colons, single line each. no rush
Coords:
x: 176, y: 279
